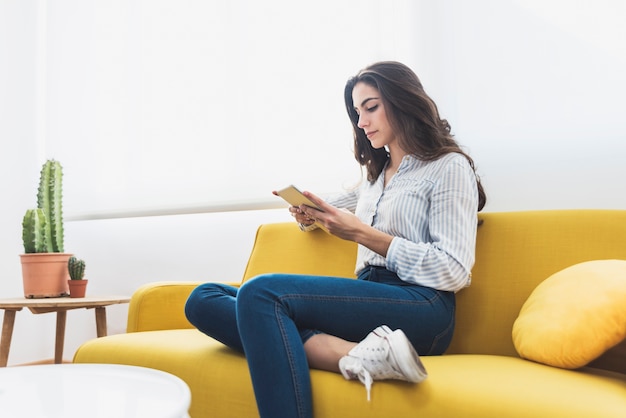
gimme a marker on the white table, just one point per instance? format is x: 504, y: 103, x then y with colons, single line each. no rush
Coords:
x: 91, y: 390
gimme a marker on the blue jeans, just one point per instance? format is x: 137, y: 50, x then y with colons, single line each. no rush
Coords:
x: 271, y: 316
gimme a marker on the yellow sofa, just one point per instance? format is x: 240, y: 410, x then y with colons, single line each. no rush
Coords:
x: 481, y: 375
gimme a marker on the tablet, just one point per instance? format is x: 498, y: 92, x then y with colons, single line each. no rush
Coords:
x: 294, y: 197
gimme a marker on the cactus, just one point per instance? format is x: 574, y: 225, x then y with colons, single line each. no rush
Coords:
x: 34, y: 231
x: 49, y: 201
x: 76, y: 268
x: 49, y: 198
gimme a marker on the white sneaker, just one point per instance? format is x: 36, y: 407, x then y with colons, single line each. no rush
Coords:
x: 383, y: 354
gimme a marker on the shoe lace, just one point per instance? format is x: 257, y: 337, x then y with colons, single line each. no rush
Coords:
x: 364, y: 376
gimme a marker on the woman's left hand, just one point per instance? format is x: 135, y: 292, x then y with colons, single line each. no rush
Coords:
x: 339, y: 222
x: 346, y: 225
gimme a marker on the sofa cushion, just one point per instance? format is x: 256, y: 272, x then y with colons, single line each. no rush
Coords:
x: 458, y: 385
x: 212, y: 371
x: 574, y: 316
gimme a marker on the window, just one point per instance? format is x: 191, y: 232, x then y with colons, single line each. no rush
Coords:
x: 161, y: 104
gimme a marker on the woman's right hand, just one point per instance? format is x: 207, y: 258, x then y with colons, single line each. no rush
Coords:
x: 297, y: 213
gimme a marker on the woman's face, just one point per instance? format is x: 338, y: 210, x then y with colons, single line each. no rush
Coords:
x: 372, y: 117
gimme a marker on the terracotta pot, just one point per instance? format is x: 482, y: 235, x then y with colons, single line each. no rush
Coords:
x: 78, y: 288
x: 45, y: 275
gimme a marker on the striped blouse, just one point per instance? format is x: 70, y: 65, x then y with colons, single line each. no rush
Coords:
x: 430, y: 207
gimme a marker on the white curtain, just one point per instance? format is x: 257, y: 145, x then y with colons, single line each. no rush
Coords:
x: 159, y: 104
x: 171, y: 105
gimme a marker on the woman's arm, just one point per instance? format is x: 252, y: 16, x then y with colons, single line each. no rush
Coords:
x: 441, y: 255
x: 345, y: 224
x: 435, y: 244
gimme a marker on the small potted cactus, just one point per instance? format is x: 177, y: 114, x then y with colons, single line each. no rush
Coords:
x: 77, y: 283
x: 44, y: 264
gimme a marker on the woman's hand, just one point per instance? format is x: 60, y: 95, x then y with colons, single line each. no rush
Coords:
x: 297, y: 213
x: 339, y: 222
x: 301, y: 217
x: 345, y: 225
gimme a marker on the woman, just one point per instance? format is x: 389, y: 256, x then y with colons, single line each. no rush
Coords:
x: 415, y: 222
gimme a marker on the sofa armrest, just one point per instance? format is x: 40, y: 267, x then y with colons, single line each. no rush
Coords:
x: 160, y: 306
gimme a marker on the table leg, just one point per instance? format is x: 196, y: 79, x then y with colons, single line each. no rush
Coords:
x: 60, y: 338
x: 101, y: 321
x: 7, y: 334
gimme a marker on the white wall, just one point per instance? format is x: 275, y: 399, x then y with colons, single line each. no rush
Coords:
x: 534, y: 90
x: 19, y: 166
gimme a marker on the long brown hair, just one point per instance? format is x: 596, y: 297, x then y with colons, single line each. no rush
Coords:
x: 413, y: 116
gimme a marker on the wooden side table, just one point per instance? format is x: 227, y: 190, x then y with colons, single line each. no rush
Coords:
x: 60, y: 306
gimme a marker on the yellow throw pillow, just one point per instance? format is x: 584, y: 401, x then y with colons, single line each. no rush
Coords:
x: 574, y: 316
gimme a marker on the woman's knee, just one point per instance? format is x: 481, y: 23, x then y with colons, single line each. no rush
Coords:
x: 194, y: 299
x: 199, y: 297
x: 261, y: 292
x: 258, y: 285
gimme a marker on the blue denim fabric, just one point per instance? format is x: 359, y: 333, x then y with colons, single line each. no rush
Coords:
x: 271, y: 316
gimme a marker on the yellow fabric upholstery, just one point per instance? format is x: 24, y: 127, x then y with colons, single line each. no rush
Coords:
x: 480, y: 376
x: 314, y: 252
x: 478, y: 386
x: 574, y: 316
x: 613, y: 359
x: 158, y: 306
x: 515, y: 251
x: 210, y: 369
x: 155, y: 308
